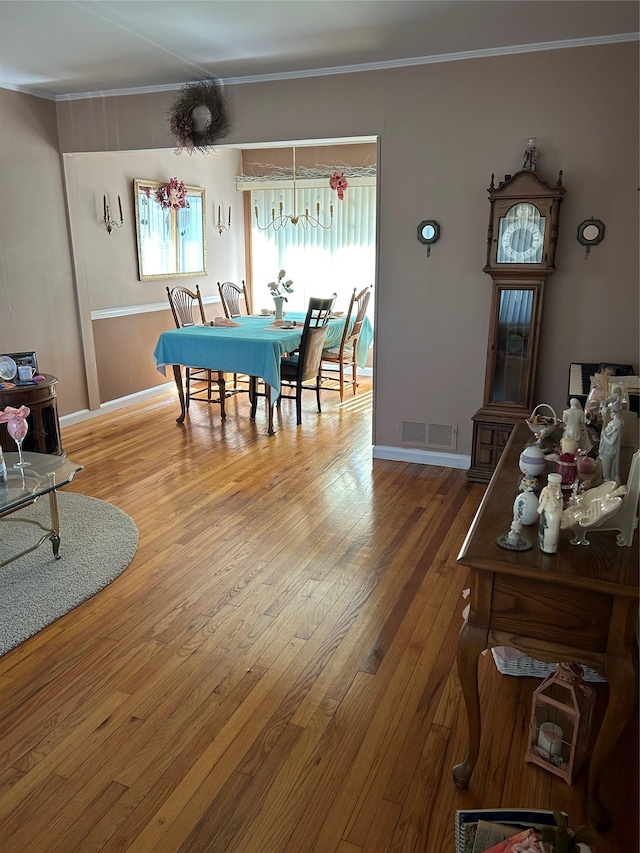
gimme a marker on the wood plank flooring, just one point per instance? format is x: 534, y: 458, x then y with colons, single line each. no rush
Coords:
x: 275, y: 670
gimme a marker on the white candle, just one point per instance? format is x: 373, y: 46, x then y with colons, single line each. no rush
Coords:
x: 550, y: 738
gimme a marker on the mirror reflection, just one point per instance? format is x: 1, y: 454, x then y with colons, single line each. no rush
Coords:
x: 590, y: 232
x: 171, y: 229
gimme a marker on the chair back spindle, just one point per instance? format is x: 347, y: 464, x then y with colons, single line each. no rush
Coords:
x: 183, y: 303
x: 230, y: 295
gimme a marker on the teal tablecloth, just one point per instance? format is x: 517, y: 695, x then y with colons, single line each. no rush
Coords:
x: 253, y: 347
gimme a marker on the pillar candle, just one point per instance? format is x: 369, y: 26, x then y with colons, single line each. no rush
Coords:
x: 550, y: 738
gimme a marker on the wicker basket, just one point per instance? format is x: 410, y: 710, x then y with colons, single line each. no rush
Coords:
x: 535, y: 668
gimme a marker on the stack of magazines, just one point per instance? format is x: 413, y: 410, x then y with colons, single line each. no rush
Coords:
x: 501, y: 830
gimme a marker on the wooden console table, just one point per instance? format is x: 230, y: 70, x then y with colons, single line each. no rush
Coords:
x: 580, y: 605
x: 44, y: 427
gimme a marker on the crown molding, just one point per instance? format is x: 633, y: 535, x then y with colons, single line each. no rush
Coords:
x: 346, y: 69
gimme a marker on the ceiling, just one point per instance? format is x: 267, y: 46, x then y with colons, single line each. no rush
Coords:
x: 76, y: 48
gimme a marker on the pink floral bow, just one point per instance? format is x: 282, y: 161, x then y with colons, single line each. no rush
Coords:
x: 338, y: 182
x: 11, y: 414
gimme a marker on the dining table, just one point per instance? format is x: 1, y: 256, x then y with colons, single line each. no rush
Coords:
x: 253, y: 345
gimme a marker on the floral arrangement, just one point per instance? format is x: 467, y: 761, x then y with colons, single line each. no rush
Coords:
x: 280, y: 287
x: 172, y: 196
x: 338, y: 182
x: 204, y: 93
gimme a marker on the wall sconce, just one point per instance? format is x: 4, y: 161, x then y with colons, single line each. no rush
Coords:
x: 429, y: 233
x: 220, y: 225
x: 590, y: 233
x: 108, y: 221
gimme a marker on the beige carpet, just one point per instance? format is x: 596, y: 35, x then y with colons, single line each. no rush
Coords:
x: 97, y: 543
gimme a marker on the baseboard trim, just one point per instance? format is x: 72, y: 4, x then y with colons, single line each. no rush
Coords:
x: 421, y: 457
x: 113, y: 405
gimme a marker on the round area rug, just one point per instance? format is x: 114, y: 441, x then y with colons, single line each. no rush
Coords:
x: 97, y: 543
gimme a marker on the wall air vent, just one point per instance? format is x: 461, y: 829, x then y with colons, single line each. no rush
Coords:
x: 442, y: 436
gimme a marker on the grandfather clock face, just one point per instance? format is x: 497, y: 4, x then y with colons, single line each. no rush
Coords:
x: 521, y: 235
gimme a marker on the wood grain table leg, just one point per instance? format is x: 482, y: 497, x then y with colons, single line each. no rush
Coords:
x: 223, y: 393
x: 621, y: 671
x: 270, y: 430
x: 177, y: 375
x: 253, y: 396
x: 471, y: 642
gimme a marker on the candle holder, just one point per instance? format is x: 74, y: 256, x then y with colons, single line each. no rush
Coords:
x: 108, y: 220
x: 561, y: 714
x: 220, y: 225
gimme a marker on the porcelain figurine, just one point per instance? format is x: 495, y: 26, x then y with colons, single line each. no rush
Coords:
x: 525, y: 506
x: 550, y: 511
x: 610, y: 448
x: 575, y: 425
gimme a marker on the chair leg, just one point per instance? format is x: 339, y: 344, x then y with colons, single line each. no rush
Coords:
x: 209, y: 384
x: 299, y: 404
x: 318, y: 391
x: 354, y: 368
x: 187, y: 376
x: 341, y: 380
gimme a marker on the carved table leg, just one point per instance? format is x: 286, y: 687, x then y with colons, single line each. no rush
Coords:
x: 222, y: 392
x: 271, y: 430
x: 622, y: 675
x: 253, y: 396
x: 177, y: 375
x: 472, y: 641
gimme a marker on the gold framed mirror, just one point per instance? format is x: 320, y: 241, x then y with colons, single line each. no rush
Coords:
x: 171, y: 229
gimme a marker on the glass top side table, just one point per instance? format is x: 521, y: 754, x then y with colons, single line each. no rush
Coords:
x: 24, y: 486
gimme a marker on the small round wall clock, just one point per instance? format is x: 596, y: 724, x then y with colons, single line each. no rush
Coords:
x: 429, y: 233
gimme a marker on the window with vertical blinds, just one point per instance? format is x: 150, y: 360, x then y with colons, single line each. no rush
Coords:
x: 319, y: 261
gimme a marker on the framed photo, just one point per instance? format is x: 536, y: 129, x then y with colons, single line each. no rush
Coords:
x: 24, y: 358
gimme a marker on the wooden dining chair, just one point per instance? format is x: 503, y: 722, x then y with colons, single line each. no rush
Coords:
x: 344, y: 355
x: 304, y: 365
x: 230, y: 295
x: 188, y: 310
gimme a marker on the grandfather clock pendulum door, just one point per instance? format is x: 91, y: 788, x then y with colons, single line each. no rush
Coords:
x: 521, y: 246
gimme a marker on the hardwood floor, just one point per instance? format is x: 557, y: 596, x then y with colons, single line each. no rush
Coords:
x: 275, y: 670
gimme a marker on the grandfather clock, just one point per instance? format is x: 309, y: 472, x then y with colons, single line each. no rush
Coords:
x: 521, y: 248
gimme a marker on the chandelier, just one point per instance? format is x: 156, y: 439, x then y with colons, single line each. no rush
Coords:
x: 279, y: 218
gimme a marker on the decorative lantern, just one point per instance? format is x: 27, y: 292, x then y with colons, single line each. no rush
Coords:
x: 561, y: 713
